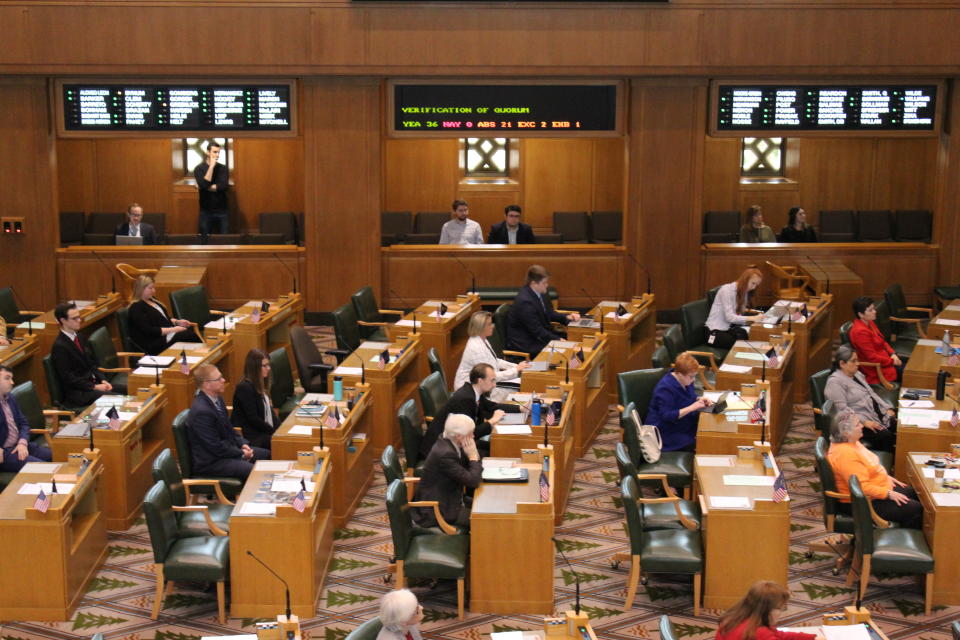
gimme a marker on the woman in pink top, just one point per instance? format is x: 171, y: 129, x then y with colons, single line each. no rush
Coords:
x: 755, y: 617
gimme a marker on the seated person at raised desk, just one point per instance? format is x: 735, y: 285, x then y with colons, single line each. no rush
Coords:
x: 461, y: 230
x: 755, y: 617
x: 252, y: 409
x: 849, y: 391
x: 754, y: 230
x: 400, y: 615
x: 149, y: 323
x: 528, y: 321
x: 472, y: 399
x: 797, y: 229
x: 675, y: 407
x: 511, y: 230
x: 135, y: 227
x: 81, y: 381
x: 452, y: 464
x: 15, y: 447
x: 871, y: 345
x: 893, y: 500
x: 478, y: 350
x: 217, y: 449
x: 730, y: 310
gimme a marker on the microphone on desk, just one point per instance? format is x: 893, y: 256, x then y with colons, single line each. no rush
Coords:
x: 20, y: 302
x: 407, y: 306
x: 113, y: 281
x: 826, y: 275
x: 763, y: 370
x: 473, y: 277
x: 647, y: 271
x: 576, y: 577
x: 289, y: 270
x: 594, y: 303
x: 277, y: 575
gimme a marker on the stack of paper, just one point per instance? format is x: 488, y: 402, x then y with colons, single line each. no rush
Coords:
x: 735, y: 368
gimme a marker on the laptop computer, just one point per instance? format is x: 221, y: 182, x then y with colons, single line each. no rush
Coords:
x: 129, y: 240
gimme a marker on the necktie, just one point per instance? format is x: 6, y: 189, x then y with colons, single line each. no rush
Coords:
x: 76, y: 341
x: 409, y: 636
x: 12, y: 432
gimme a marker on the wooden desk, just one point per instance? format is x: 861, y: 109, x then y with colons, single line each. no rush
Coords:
x: 50, y: 557
x: 940, y: 526
x: 270, y: 333
x: 812, y: 340
x: 911, y: 437
x: 781, y: 379
x: 936, y: 328
x: 632, y: 338
x: 21, y: 357
x: 390, y: 387
x: 925, y: 363
x: 352, y: 461
x: 508, y: 519
x: 170, y: 278
x: 589, y: 380
x: 447, y: 335
x: 127, y: 455
x: 296, y: 545
x: 559, y: 436
x: 845, y: 286
x: 741, y: 546
x: 717, y: 434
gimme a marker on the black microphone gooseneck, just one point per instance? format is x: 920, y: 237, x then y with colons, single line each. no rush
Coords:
x: 763, y: 430
x: 763, y: 370
x: 20, y: 302
x: 576, y: 577
x: 277, y: 575
x: 473, y: 277
x: 647, y: 271
x: 826, y: 275
x: 113, y: 281
x: 289, y: 270
x: 406, y: 304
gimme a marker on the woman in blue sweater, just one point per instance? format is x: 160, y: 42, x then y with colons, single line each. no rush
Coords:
x: 675, y: 406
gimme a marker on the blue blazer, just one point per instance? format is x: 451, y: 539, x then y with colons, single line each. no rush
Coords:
x: 18, y: 418
x: 211, y: 434
x: 528, y: 322
x: 668, y: 398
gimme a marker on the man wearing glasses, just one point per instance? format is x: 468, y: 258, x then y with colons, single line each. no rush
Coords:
x: 217, y: 449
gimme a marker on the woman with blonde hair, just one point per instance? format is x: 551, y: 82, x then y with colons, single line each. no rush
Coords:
x: 755, y: 617
x: 149, y: 323
x: 674, y: 407
x: 479, y: 350
x: 731, y: 309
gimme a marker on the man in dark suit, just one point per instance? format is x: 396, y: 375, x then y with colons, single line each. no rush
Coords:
x: 81, y: 382
x: 511, y: 230
x: 16, y: 449
x: 134, y: 226
x: 528, y: 322
x: 472, y: 399
x: 453, y: 463
x: 217, y: 449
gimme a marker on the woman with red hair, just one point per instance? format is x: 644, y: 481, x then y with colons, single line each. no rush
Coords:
x: 730, y: 308
x: 755, y: 617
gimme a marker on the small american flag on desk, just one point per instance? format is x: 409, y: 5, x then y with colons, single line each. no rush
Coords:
x: 577, y: 358
x: 331, y: 421
x: 772, y: 358
x: 299, y: 501
x: 42, y: 503
x: 114, y: 418
x: 184, y: 365
x: 383, y: 359
x: 544, y: 487
x: 441, y: 310
x: 759, y: 410
x: 551, y: 418
x: 780, y: 489
x: 954, y: 418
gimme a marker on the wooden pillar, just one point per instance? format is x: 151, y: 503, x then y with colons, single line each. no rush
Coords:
x: 946, y: 227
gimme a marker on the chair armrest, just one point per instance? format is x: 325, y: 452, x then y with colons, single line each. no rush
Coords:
x: 428, y: 418
x: 926, y: 310
x: 706, y: 354
x: 914, y: 321
x: 662, y: 477
x: 46, y: 435
x: 620, y: 408
x: 339, y: 354
x: 321, y: 366
x: 130, y: 354
x: 214, y: 312
x: 364, y: 323
x: 703, y: 378
x: 202, y: 508
x: 886, y: 383
x: 817, y: 411
x: 674, y: 498
x: 444, y: 526
x: 877, y: 520
x: 116, y: 370
x: 564, y: 311
x: 837, y: 495
x: 410, y: 481
x: 519, y: 354
x: 392, y: 312
x: 200, y: 482
x: 25, y: 312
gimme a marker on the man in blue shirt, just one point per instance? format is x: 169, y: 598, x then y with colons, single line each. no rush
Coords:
x: 15, y: 447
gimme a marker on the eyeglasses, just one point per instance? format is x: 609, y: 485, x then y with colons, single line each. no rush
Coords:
x: 220, y: 379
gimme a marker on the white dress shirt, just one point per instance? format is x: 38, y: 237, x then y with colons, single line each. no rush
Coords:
x: 723, y: 313
x: 461, y: 232
x: 478, y: 351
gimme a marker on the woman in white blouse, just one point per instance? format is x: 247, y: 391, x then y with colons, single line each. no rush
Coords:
x: 731, y: 310
x: 479, y: 350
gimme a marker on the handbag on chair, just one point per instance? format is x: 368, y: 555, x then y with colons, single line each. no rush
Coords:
x: 649, y: 437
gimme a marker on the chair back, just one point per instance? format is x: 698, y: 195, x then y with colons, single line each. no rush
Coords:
x: 433, y: 359
x: 53, y: 382
x: 711, y: 296
x: 391, y: 464
x: 71, y: 227
x: 955, y: 629
x: 265, y: 238
x: 165, y: 470
x: 184, y: 239
x: 182, y: 442
x: 625, y: 465
x: 631, y: 439
x: 875, y: 226
x: 365, y: 304
x: 103, y: 350
x: 29, y: 402
x: 401, y: 527
x: 346, y: 328
x: 667, y: 631
x: 883, y: 321
x: 837, y: 226
x: 394, y: 227
x: 913, y: 225
x: 845, y: 332
x: 499, y: 338
x: 282, y: 387
x: 661, y: 357
x: 431, y: 221
x: 305, y: 353
x: 607, y: 226
x: 824, y: 420
x: 673, y: 341
x: 280, y: 222
x: 157, y: 220
x: 574, y: 226
x: 123, y: 324
x: 104, y: 223
x: 693, y: 321
x: 433, y: 394
x: 862, y: 522
x: 161, y: 520
x: 633, y: 514
x: 637, y: 387
x: 191, y: 304
x: 369, y: 630
x: 896, y: 301
x: 720, y: 226
x: 411, y: 431
x: 828, y: 481
x: 818, y: 382
x: 8, y: 307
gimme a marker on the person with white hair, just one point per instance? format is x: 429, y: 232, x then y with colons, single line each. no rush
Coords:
x: 400, y: 615
x: 452, y: 465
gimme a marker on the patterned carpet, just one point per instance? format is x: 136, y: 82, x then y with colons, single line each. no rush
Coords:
x: 119, y: 599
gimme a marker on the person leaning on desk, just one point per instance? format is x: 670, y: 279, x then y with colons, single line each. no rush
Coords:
x: 149, y: 323
x: 452, y: 465
x: 529, y: 318
x: 755, y: 616
x: 675, y: 407
x: 730, y: 308
x: 849, y: 390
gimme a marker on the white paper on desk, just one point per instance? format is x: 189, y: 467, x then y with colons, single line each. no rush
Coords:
x: 735, y: 368
x: 379, y: 346
x: 254, y: 303
x: 729, y: 502
x: 347, y: 371
x: 713, y: 396
x: 561, y: 344
x: 316, y: 398
x: 188, y: 346
x: 31, y: 325
x: 259, y: 509
x: 613, y: 303
x: 407, y: 323
x: 376, y: 359
x: 144, y: 371
x: 948, y: 321
x: 538, y: 365
x: 290, y: 485
x: 733, y: 480
x: 507, y: 635
x: 514, y: 429
x: 194, y: 359
x: 126, y: 415
x: 160, y: 361
x: 948, y: 474
x: 946, y: 499
x: 915, y: 404
x: 40, y: 467
x: 302, y: 430
x: 749, y: 355
x: 923, y: 418
x: 501, y: 473
x: 33, y: 488
x: 83, y: 304
x: 845, y: 632
x: 927, y: 342
x: 431, y: 303
x: 613, y: 315
x: 497, y: 463
x: 272, y: 465
x: 715, y: 461
x: 511, y: 381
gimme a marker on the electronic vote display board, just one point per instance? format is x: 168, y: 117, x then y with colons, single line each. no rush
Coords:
x: 204, y: 108
x: 501, y: 108
x: 837, y: 109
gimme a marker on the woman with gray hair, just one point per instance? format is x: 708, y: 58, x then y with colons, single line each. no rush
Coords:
x: 848, y: 389
x: 892, y: 500
x: 400, y: 615
x: 478, y: 350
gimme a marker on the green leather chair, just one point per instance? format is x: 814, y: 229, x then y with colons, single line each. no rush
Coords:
x: 897, y: 305
x: 229, y: 487
x: 945, y: 294
x: 390, y: 463
x: 110, y: 360
x: 834, y: 521
x: 845, y: 332
x: 661, y: 358
x: 823, y: 418
x: 10, y: 312
x: 370, y: 316
x: 433, y: 360
x: 659, y: 515
x: 312, y: 369
x: 411, y: 433
x: 667, y: 632
x: 53, y: 385
x: 123, y: 324
x: 419, y: 556
x: 955, y: 629
x: 889, y: 391
x: 693, y: 321
x: 676, y: 465
x: 177, y: 558
x: 190, y: 523
x: 673, y: 341
x: 661, y: 550
x: 43, y: 422
x: 885, y: 549
x: 282, y: 392
x: 433, y: 395
x: 366, y: 631
x: 637, y: 387
x: 346, y: 328
x: 192, y: 304
x: 901, y: 333
x: 818, y: 383
x: 499, y: 338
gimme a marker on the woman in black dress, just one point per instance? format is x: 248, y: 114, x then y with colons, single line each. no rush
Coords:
x: 149, y: 323
x: 253, y: 411
x: 797, y: 229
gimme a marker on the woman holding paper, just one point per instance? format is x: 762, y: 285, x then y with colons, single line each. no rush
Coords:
x: 252, y: 410
x: 755, y: 617
x: 675, y: 407
x: 731, y: 310
x: 478, y: 350
x: 849, y: 390
x: 149, y: 323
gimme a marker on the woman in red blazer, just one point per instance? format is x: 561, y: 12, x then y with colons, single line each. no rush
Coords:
x: 870, y: 345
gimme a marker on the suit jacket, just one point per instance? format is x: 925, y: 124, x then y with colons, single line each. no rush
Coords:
x: 446, y: 472
x: 211, y: 435
x: 76, y: 370
x: 18, y: 418
x: 847, y: 393
x: 528, y: 322
x: 462, y: 401
x: 499, y: 235
x: 249, y: 415
x: 144, y: 323
x: 871, y: 347
x: 146, y: 230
